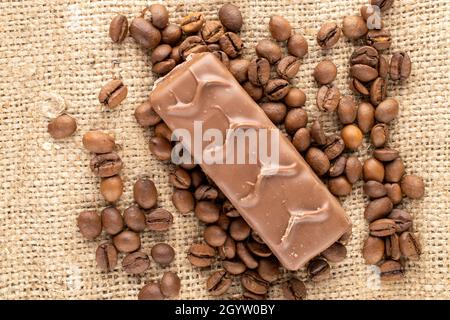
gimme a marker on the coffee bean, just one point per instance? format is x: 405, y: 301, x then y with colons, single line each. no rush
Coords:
x: 378, y: 208
x: 162, y: 63
x: 231, y: 17
x: 409, y: 246
x: 334, y: 146
x: 145, y: 193
x: 218, y: 283
x: 111, y: 188
x: 358, y: 87
x: 106, y: 256
x: 297, y: 46
x: 373, y: 170
x: 400, y: 67
x: 228, y: 249
x: 413, y: 186
x: 214, y: 235
x: 98, y: 142
x: 106, y: 165
x: 393, y: 247
x: 325, y: 72
x: 259, y: 249
x: 288, y: 67
x: 146, y: 116
x: 374, y: 189
x: 256, y: 237
x: 328, y: 35
x: 296, y: 118
x: 352, y: 136
x: 363, y: 72
x: 382, y: 227
x: 183, y: 200
x: 383, y: 67
x: 239, y: 229
x: 239, y: 69
x: 365, y: 55
x: 180, y: 179
x: 269, y: 50
x: 317, y: 133
x: 391, y: 270
x: 144, y: 33
x: 160, y: 53
x: 354, y: 27
x: 379, y: 39
x: 275, y: 111
x: 176, y: 55
x: 159, y: 15
x: 373, y: 250
x: 222, y: 56
x: 269, y: 269
x: 234, y: 267
x: 394, y: 192
x: 318, y: 269
x: 353, y: 169
x: 170, y: 284
x: 254, y: 283
x: 280, y: 28
x: 197, y: 178
x: 193, y: 22
x: 253, y: 91
x: 112, y: 220
x: 212, y: 31
x: 379, y: 135
x: 118, y: 29
x: 387, y: 110
x: 294, y: 289
x: 62, y: 126
x: 337, y: 168
x: 259, y: 71
x: 245, y: 255
x: 191, y: 45
x: 378, y: 91
x: 394, y: 170
x: 318, y: 161
x: 134, y: 218
x: 136, y: 263
x: 163, y: 131
x: 335, y: 253
x: 339, y: 186
x: 159, y: 220
x: 171, y: 34
x: 231, y: 44
x: 201, y: 255
x: 382, y: 4
x: 229, y: 210
x: 385, y: 154
x: 160, y: 148
x: 302, y: 139
x: 347, y: 110
x: 207, y: 212
x: 276, y: 89
x: 327, y: 98
x: 403, y: 220
x: 162, y: 253
x: 206, y: 192
x: 127, y: 241
x: 151, y: 291
x: 224, y: 221
x: 295, y: 98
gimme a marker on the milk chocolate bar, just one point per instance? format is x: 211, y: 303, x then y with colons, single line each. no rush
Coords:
x: 284, y: 201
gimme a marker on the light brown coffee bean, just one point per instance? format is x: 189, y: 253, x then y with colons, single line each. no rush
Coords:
x: 259, y: 249
x: 146, y: 116
x: 118, y: 29
x: 212, y: 31
x: 335, y: 253
x: 239, y: 69
x: 317, y: 133
x: 275, y: 111
x: 171, y: 34
x: 98, y: 142
x: 365, y: 55
x: 387, y: 110
x: 347, y: 110
x: 255, y: 92
x: 296, y: 118
x: 358, y: 87
x: 234, y: 267
x: 365, y: 117
x: 228, y: 249
x: 160, y: 53
x: 144, y: 33
x: 379, y: 135
x: 175, y: 55
x: 106, y: 256
x: 294, y: 289
x: 159, y: 15
x: 287, y: 67
x: 160, y: 148
x: 106, y: 164
x: 145, y: 193
x: 352, y: 136
x: 385, y: 154
x: 89, y: 224
x: 374, y: 189
x: 183, y: 200
x: 354, y: 27
x: 379, y: 39
x: 269, y: 50
x: 302, y: 139
x: 218, y: 283
x: 393, y: 247
x: 231, y: 44
x: 378, y: 209
x: 328, y: 35
x: 127, y: 241
x: 382, y: 227
x: 318, y: 161
x: 334, y: 146
x: 162, y: 253
x: 394, y: 170
x: 158, y: 220
x: 151, y: 291
x: 201, y: 255
x: 339, y: 186
x: 207, y: 211
x: 363, y: 72
x: 327, y: 98
x: 383, y: 67
x: 193, y: 22
x: 164, y: 66
x: 373, y: 170
x: 400, y: 67
x: 259, y: 71
x: 276, y: 89
x: 214, y: 235
x: 280, y: 28
x: 394, y: 192
x: 170, y: 284
x: 134, y: 218
x: 378, y: 90
x: 136, y: 263
x: 192, y: 45
x: 112, y: 220
x: 239, y: 229
x: 391, y: 270
x: 62, y: 126
x: 245, y: 255
x: 111, y: 188
x: 325, y: 72
x: 231, y: 17
x: 269, y: 269
x: 373, y: 250
x: 180, y: 179
x: 252, y: 282
x: 353, y: 169
x: 337, y: 168
x: 295, y: 98
x: 318, y: 270
x: 410, y: 246
x: 297, y: 46
x: 413, y: 186
x: 206, y: 192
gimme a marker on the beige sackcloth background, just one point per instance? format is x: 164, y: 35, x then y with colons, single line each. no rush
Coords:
x: 62, y: 49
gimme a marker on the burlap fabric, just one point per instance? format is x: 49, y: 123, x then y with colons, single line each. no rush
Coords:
x: 61, y: 49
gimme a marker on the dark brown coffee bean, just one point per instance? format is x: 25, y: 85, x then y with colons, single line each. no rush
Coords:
x: 302, y: 139
x: 176, y: 55
x: 383, y: 67
x: 378, y: 208
x: 160, y: 148
x: 159, y: 220
x: 255, y: 92
x: 159, y: 15
x: 183, y: 200
x: 228, y: 249
x: 276, y: 89
x: 244, y: 254
x: 256, y: 237
x: 373, y: 170
x: 222, y: 56
x: 391, y: 270
x: 365, y: 117
x: 193, y: 22
x: 393, y: 247
x: 170, y: 284
x: 162, y: 253
x: 118, y: 29
x: 400, y: 67
x: 206, y: 192
x: 387, y: 110
x: 259, y: 71
x: 394, y: 192
x: 214, y: 47
x: 354, y: 27
x: 328, y: 35
x: 318, y: 269
x: 234, y: 267
x: 201, y: 255
x: 347, y: 110
x: 106, y: 165
x: 353, y: 169
x: 379, y: 135
x: 239, y: 69
x: 294, y: 289
x: 113, y: 93
x: 382, y: 4
x: 394, y: 170
x: 212, y: 31
x: 275, y: 111
x: 112, y: 220
x: 218, y: 283
x: 409, y: 246
x: 287, y: 67
x: 229, y: 210
x: 146, y: 116
x: 327, y: 98
x: 378, y: 91
x: 106, y: 256
x: 259, y: 249
x: 296, y: 118
x: 144, y: 33
x: 403, y: 220
x: 318, y: 161
x: 363, y: 72
x: 151, y: 291
x: 134, y: 218
x: 207, y: 212
x: 197, y: 178
x: 295, y: 98
x: 171, y: 34
x: 317, y: 133
x: 136, y: 262
x: 160, y: 53
x: 231, y: 44
x: 111, y: 188
x: 379, y: 39
x: 358, y: 87
x: 334, y: 146
x: 239, y: 229
x: 224, y: 221
x: 365, y: 55
x: 190, y: 45
x: 339, y: 186
x: 352, y: 136
x: 214, y: 235
x: 254, y: 283
x: 374, y: 189
x: 127, y: 241
x: 164, y: 67
x: 337, y: 168
x: 269, y: 269
x: 231, y: 17
x: 162, y: 130
x: 297, y: 46
x: 325, y: 72
x: 280, y: 28
x: 62, y: 126
x: 385, y: 154
x: 145, y: 193
x: 373, y: 250
x: 269, y: 50
x: 335, y: 253
x: 413, y: 186
x: 180, y: 179
x: 382, y: 227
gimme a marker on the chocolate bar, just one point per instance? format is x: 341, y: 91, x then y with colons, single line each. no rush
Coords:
x: 283, y: 200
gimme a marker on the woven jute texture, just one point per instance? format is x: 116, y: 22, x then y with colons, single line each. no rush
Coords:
x: 56, y: 52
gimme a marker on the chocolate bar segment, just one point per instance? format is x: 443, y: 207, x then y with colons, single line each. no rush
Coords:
x: 284, y: 202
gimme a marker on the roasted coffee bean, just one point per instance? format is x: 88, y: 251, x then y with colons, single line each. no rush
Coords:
x: 207, y: 211
x: 353, y: 169
x: 400, y: 67
x: 413, y: 186
x: 334, y: 146
x: 276, y: 89
x: 382, y: 227
x: 318, y: 269
x: 224, y: 221
x: 175, y: 55
x: 347, y: 110
x: 231, y: 17
x: 280, y: 28
x: 171, y: 34
x: 111, y: 188
x: 294, y: 289
x: 259, y: 249
x: 229, y: 210
x: 385, y: 154
x: 354, y: 27
x: 327, y: 98
x: 206, y: 192
x: 379, y: 39
x: 118, y: 29
x: 239, y: 69
x: 394, y: 192
x: 231, y: 44
x: 254, y: 283
x: 151, y: 291
x: 328, y: 35
x: 378, y: 91
x: 382, y: 4
x: 387, y: 110
x: 62, y: 126
x: 256, y: 237
x: 297, y: 46
x: 374, y: 189
x: 127, y: 241
x: 159, y: 15
x: 212, y: 31
x: 145, y: 193
x: 197, y: 178
x: 325, y: 72
x: 393, y: 247
x: 391, y: 270
x: 287, y: 67
x: 159, y: 220
x: 295, y: 98
x: 379, y: 135
x: 373, y: 170
x: 180, y: 179
x: 365, y: 55
x: 163, y: 131
x: 352, y: 136
x: 403, y: 220
x: 335, y: 253
x: 144, y: 33
x: 112, y: 220
x: 222, y: 56
x: 162, y: 253
x: 409, y: 246
x: 358, y: 87
x: 160, y: 148
x: 134, y: 218
x: 275, y: 111
x: 146, y: 116
x: 170, y: 284
x: 239, y: 229
x: 318, y: 161
x: 317, y: 133
x: 214, y: 235
x: 218, y: 283
x: 98, y: 142
x: 228, y: 249
x: 234, y: 267
x: 244, y: 254
x: 269, y: 269
x: 255, y: 92
x: 302, y: 139
x: 136, y: 262
x: 201, y: 255
x: 337, y: 168
x: 378, y: 208
x: 394, y: 170
x: 106, y: 165
x: 363, y: 72
x: 269, y: 50
x: 164, y: 66
x: 259, y: 71
x: 160, y: 53
x: 190, y: 45
x: 193, y: 22
x: 373, y: 250
x: 339, y: 186
x: 296, y: 118
x: 106, y: 256
x: 383, y: 67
